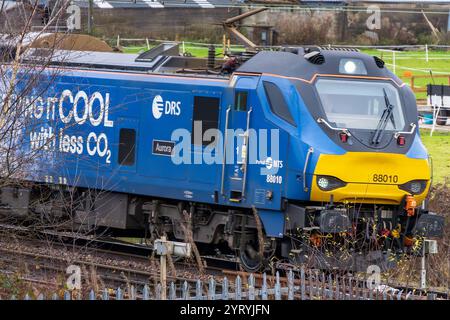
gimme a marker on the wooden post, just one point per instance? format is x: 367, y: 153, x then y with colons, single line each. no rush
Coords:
x: 224, y: 44
x: 163, y: 273
x: 90, y: 10
x: 148, y: 44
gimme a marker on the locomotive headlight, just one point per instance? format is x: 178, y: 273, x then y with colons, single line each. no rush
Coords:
x: 349, y: 66
x: 327, y: 183
x: 414, y: 186
x: 352, y: 66
x: 323, y: 183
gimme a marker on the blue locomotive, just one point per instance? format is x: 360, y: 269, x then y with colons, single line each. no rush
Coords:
x: 310, y: 155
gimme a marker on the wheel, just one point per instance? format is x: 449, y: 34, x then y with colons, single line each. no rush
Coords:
x: 249, y: 258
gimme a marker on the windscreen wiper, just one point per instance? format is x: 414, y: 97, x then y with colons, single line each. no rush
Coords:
x: 387, y: 114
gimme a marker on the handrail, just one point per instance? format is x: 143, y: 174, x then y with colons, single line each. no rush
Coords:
x: 246, y: 154
x: 345, y: 130
x: 222, y: 192
x: 308, y: 155
x: 413, y: 127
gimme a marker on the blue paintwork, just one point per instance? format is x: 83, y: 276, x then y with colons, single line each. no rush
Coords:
x: 417, y: 150
x: 273, y: 222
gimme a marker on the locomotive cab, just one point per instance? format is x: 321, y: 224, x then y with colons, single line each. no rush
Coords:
x: 363, y: 171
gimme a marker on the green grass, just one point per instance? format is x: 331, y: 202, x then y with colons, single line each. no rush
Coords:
x: 407, y: 61
x: 439, y: 148
x: 193, y: 50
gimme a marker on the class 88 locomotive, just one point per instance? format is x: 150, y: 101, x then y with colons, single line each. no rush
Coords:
x: 306, y: 155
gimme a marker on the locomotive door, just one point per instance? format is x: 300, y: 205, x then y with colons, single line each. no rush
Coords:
x: 237, y: 124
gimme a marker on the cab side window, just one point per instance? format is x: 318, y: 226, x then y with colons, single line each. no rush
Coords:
x: 240, y: 101
x: 127, y: 147
x: 206, y: 110
x: 277, y: 102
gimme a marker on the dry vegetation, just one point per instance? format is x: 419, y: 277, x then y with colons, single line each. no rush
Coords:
x: 437, y: 265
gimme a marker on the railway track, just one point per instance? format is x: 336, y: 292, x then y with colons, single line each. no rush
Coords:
x: 120, y: 264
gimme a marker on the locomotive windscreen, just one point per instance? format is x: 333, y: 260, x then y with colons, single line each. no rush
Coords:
x: 360, y: 104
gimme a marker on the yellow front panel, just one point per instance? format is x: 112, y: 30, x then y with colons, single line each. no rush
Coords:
x: 361, y: 169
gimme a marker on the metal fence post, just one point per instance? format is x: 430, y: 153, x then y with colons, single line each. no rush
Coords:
x: 251, y: 287
x: 198, y: 290
x: 172, y: 293
x: 158, y: 291
x: 185, y: 294
x: 67, y: 295
x: 92, y: 295
x: 317, y: 283
x: 337, y: 292
x: 145, y: 293
x: 264, y: 287
x: 344, y: 288
x: 408, y: 295
x: 225, y: 289
x: 302, y: 283
x: 291, y: 285
x: 238, y: 288
x: 212, y: 289
x: 132, y: 293
x: 119, y: 294
x: 323, y: 282
x: 311, y: 284
x: 330, y: 287
x: 277, y: 287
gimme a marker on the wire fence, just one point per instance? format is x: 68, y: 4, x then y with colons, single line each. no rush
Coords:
x: 312, y: 286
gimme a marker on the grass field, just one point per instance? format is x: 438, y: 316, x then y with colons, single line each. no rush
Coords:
x: 439, y: 148
x: 415, y: 63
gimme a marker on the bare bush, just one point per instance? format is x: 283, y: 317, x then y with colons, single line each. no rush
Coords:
x: 313, y: 28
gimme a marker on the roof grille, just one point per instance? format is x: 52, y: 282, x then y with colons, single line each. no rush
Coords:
x: 315, y: 57
x: 379, y: 62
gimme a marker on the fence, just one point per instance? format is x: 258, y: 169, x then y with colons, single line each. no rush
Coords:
x: 314, y: 287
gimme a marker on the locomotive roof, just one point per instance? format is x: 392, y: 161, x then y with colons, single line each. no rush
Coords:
x: 289, y: 63
x: 161, y: 59
x: 294, y: 64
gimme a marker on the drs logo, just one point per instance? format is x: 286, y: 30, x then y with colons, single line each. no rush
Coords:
x: 160, y: 107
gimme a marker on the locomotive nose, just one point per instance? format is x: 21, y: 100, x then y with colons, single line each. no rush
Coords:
x: 363, y: 177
